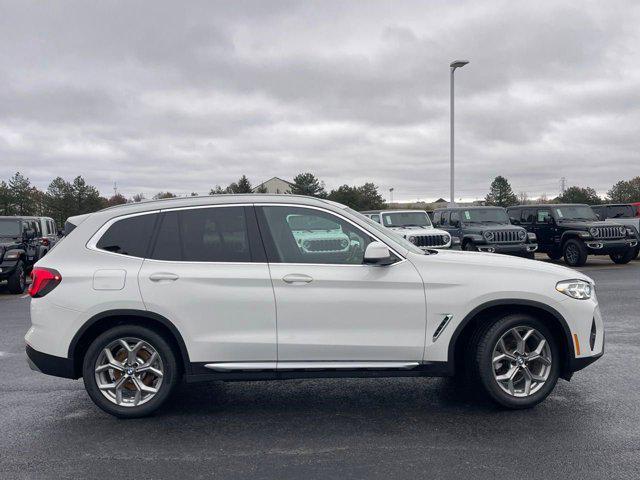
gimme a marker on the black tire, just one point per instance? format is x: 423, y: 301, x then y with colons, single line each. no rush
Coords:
x: 171, y: 373
x: 637, y: 252
x: 575, y: 253
x: 624, y: 257
x: 17, y: 282
x: 470, y: 247
x: 554, y: 255
x: 482, y: 366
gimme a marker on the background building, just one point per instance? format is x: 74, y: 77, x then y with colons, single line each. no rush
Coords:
x: 274, y: 185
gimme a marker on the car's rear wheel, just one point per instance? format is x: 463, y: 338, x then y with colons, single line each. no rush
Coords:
x: 517, y: 361
x: 17, y: 282
x: 637, y: 252
x: 623, y: 257
x: 575, y: 253
x: 129, y: 371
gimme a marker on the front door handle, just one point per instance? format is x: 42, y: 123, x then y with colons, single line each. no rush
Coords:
x: 160, y: 276
x: 297, y: 278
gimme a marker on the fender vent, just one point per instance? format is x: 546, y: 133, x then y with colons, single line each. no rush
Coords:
x: 445, y: 321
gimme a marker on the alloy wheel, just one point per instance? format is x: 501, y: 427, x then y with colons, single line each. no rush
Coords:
x: 572, y: 254
x: 521, y: 361
x: 129, y: 372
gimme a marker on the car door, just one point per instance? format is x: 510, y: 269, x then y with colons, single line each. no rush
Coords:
x: 455, y: 226
x: 545, y: 227
x: 207, y: 273
x: 331, y: 307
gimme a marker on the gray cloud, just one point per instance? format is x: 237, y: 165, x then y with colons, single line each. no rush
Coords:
x: 165, y: 96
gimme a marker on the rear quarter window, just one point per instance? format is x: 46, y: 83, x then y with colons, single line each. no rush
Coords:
x: 129, y: 236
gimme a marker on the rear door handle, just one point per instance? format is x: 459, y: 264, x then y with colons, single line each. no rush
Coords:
x: 297, y: 278
x: 160, y: 276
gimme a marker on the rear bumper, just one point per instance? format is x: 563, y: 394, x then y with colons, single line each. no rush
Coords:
x: 50, y: 364
x: 512, y: 249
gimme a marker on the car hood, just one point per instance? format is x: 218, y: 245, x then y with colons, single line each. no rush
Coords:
x: 417, y: 230
x: 586, y: 225
x: 507, y: 262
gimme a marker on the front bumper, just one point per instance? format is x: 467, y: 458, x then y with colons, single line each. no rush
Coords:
x: 605, y: 247
x: 7, y: 268
x: 510, y: 249
x: 50, y: 364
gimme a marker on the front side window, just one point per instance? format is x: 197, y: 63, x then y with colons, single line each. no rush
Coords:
x: 406, y: 219
x: 437, y: 218
x: 304, y: 235
x: 217, y: 234
x: 544, y: 216
x: 528, y: 215
x: 455, y: 219
x: 129, y: 236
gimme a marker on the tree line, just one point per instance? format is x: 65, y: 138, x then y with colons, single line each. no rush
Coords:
x: 625, y: 191
x: 65, y: 198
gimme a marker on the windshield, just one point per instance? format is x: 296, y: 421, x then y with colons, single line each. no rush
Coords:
x: 386, y: 232
x: 9, y: 228
x: 485, y: 215
x: 575, y: 212
x: 406, y: 219
x: 620, y: 211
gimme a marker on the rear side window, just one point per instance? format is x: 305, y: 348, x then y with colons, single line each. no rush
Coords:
x: 216, y: 234
x: 129, y: 236
x: 528, y: 215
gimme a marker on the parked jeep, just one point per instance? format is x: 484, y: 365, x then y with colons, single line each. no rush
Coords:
x: 19, y: 250
x: 574, y: 231
x: 486, y: 229
x: 620, y: 213
x: 415, y: 226
x: 320, y: 237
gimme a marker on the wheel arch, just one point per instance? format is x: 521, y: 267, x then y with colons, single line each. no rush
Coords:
x: 103, y: 321
x: 474, y: 319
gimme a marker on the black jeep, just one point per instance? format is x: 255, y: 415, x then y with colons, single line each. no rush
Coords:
x: 485, y: 229
x: 574, y: 231
x: 19, y: 247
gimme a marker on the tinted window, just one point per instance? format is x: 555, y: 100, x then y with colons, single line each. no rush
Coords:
x: 129, y: 236
x: 528, y: 215
x: 216, y: 234
x: 543, y: 216
x: 601, y: 212
x: 9, y: 228
x: 437, y: 218
x: 445, y: 219
x: 514, y: 214
x: 289, y: 241
x: 455, y: 219
x: 620, y: 211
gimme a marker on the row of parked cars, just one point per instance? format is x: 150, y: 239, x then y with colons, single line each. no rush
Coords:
x: 24, y: 241
x: 572, y: 231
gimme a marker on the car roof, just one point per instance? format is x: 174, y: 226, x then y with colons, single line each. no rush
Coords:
x: 550, y: 205
x: 478, y: 207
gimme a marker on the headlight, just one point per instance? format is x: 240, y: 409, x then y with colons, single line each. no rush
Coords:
x: 578, y: 289
x: 522, y: 234
x: 622, y: 230
x: 455, y: 240
x: 412, y: 239
x: 344, y: 243
x: 532, y: 236
x: 11, y: 255
x: 594, y: 231
x: 488, y: 235
x: 631, y: 231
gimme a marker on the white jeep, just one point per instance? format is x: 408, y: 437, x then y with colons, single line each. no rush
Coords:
x: 415, y: 226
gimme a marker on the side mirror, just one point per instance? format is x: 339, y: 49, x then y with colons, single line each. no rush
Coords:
x: 377, y: 253
x: 514, y: 221
x: 455, y: 223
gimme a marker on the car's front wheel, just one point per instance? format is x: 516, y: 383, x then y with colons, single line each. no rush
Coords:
x: 575, y: 253
x: 129, y: 371
x: 17, y: 282
x: 517, y: 361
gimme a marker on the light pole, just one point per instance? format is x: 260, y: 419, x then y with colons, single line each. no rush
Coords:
x: 455, y: 64
x: 391, y: 195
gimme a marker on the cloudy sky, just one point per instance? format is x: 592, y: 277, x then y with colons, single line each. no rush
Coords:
x: 182, y: 96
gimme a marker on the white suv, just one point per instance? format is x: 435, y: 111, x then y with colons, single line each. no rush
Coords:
x: 139, y: 296
x: 415, y: 226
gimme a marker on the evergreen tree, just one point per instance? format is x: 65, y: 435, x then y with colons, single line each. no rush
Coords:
x: 625, y: 191
x: 20, y: 194
x: 501, y: 194
x: 580, y: 195
x: 308, y: 184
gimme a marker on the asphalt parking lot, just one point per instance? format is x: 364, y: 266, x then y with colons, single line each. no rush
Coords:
x: 396, y: 428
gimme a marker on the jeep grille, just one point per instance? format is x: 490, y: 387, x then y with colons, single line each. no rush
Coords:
x: 323, y: 245
x: 506, y: 236
x: 609, y: 232
x: 431, y: 240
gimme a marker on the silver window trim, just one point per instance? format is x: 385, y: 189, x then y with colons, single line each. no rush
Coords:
x: 92, y: 244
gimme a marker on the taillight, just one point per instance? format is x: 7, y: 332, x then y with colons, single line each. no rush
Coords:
x: 43, y: 280
x: 44, y: 241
